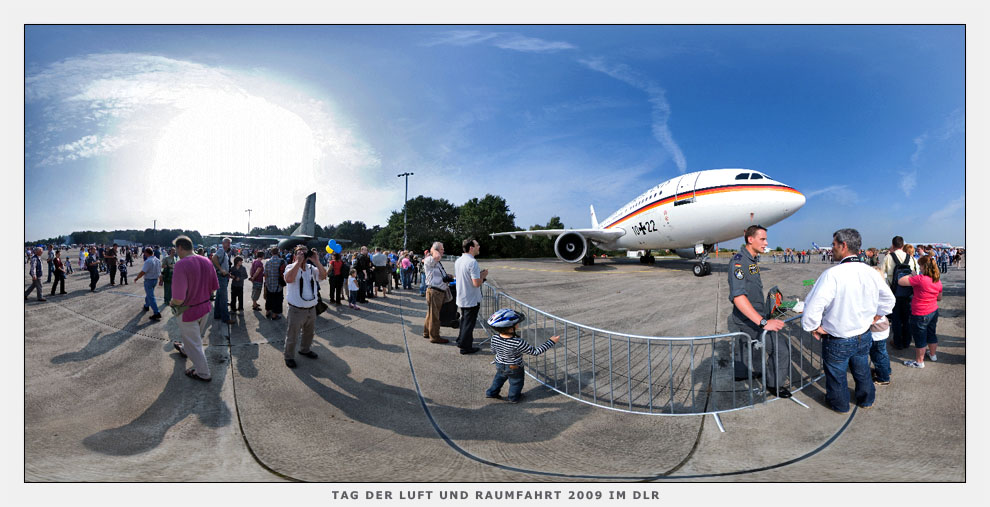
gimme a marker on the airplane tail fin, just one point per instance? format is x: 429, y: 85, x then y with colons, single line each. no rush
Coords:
x: 307, y: 226
x: 594, y: 219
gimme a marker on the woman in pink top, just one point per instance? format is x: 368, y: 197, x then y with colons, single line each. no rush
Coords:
x: 924, y: 310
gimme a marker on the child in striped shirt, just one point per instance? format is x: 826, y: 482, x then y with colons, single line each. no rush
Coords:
x: 508, y: 350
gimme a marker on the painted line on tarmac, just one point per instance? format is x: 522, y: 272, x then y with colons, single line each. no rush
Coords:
x: 453, y: 445
x: 572, y: 271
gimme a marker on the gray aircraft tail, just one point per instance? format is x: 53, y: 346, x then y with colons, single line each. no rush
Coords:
x: 307, y: 226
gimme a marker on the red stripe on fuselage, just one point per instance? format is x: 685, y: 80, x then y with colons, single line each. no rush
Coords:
x: 704, y: 191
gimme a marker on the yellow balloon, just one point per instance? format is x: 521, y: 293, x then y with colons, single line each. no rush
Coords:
x: 329, y: 250
x: 85, y: 254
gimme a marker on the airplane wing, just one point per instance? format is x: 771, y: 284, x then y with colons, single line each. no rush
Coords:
x: 595, y: 235
x: 273, y: 237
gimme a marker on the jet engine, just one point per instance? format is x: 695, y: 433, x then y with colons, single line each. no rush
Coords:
x: 689, y: 253
x: 570, y: 247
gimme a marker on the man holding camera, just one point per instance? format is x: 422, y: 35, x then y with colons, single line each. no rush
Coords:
x: 301, y: 279
x: 470, y: 276
x: 436, y: 291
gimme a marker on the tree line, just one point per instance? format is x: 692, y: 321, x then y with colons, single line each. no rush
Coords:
x: 428, y: 220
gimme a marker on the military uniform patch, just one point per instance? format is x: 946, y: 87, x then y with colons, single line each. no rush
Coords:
x: 754, y: 269
x: 739, y: 273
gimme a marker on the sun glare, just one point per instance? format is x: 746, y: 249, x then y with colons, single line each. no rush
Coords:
x: 224, y: 149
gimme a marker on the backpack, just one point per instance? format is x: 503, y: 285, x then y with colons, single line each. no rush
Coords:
x: 901, y: 269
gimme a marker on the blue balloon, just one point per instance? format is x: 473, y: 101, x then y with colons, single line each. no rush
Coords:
x: 333, y: 245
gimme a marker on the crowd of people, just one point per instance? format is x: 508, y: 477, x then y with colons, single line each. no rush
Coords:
x: 853, y: 307
x: 944, y: 257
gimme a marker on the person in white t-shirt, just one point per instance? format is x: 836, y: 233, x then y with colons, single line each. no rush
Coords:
x: 301, y: 286
x: 469, y: 278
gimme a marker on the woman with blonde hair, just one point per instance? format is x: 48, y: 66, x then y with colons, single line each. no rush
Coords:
x: 924, y: 310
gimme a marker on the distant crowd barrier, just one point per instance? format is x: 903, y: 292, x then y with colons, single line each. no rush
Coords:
x: 654, y: 374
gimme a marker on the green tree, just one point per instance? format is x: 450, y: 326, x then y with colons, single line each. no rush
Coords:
x: 429, y: 220
x: 357, y: 232
x: 480, y: 218
x: 542, y: 246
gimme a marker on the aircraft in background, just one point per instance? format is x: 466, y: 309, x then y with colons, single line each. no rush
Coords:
x: 688, y: 214
x: 304, y: 234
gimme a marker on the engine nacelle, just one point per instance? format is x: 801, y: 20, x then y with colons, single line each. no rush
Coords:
x: 689, y: 253
x: 570, y: 247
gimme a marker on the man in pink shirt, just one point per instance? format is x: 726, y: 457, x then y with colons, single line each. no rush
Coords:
x: 193, y: 279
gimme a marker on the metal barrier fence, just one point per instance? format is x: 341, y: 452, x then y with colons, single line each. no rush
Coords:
x: 652, y: 374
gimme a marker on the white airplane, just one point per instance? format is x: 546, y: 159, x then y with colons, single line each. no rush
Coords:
x: 687, y: 214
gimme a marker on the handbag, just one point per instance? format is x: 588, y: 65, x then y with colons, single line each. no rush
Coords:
x: 447, y: 296
x: 320, y: 305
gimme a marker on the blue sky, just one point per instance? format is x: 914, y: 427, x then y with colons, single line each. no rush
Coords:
x: 190, y: 126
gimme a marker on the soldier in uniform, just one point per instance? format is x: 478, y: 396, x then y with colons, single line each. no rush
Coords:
x: 748, y: 310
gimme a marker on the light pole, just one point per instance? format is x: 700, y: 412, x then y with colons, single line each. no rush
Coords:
x: 249, y: 220
x: 405, y: 237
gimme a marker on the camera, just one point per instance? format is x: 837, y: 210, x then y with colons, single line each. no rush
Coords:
x: 448, y: 278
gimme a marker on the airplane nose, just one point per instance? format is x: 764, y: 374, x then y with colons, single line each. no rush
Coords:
x: 797, y: 200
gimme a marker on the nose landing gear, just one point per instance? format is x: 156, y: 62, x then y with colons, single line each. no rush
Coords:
x: 702, y: 268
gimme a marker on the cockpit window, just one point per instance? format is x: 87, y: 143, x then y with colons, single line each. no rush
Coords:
x: 742, y: 176
x: 756, y: 176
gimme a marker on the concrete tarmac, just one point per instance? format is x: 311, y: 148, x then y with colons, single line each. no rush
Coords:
x: 106, y: 398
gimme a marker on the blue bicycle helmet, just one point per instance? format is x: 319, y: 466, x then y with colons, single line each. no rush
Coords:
x: 505, y: 318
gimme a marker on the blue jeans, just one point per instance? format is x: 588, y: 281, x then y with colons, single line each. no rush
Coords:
x: 222, y: 308
x: 422, y: 285
x: 881, y: 361
x: 516, y: 377
x: 840, y: 355
x: 149, y: 293
x: 405, y: 278
x: 923, y: 329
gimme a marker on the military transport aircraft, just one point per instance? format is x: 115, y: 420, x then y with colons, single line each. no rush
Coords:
x: 304, y: 234
x: 687, y: 214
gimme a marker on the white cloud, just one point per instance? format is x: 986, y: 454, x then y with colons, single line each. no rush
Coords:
x: 839, y: 194
x: 948, y: 210
x: 909, y: 180
x: 203, y: 143
x: 530, y: 44
x: 657, y: 98
x: 511, y: 41
x: 87, y: 146
x: 919, y: 146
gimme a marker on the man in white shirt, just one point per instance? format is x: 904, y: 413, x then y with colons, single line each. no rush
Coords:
x: 300, y: 290
x: 845, y: 301
x: 469, y: 278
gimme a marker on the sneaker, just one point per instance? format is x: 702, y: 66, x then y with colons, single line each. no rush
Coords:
x: 495, y: 396
x: 930, y: 356
x: 881, y: 382
x: 914, y: 364
x: 156, y: 316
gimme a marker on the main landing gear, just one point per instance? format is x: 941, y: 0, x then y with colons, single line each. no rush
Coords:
x: 648, y: 258
x: 588, y: 260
